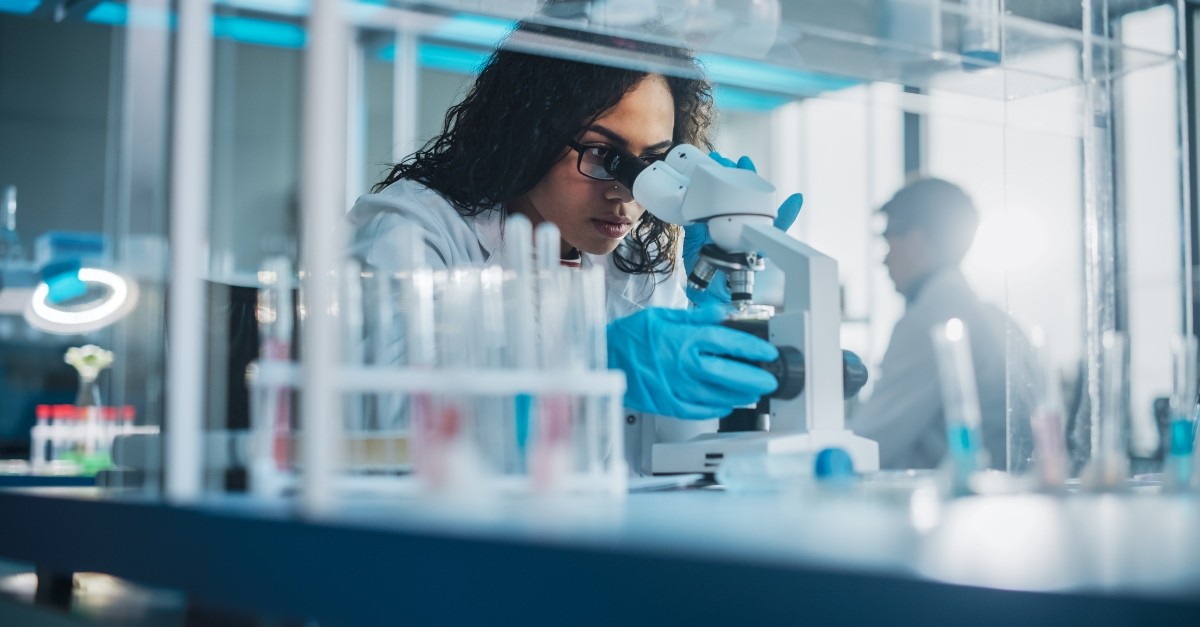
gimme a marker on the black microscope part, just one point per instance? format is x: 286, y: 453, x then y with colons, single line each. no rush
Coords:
x: 788, y: 370
x: 624, y: 166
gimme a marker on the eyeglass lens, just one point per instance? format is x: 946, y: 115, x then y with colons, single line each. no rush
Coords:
x: 591, y: 163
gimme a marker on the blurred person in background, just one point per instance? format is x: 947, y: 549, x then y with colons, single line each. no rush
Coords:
x: 931, y: 224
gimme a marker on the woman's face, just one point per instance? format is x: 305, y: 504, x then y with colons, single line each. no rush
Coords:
x: 593, y: 216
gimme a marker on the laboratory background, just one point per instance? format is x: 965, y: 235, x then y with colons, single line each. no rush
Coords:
x: 223, y: 403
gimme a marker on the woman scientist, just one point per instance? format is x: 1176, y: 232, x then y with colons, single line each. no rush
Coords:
x: 529, y: 138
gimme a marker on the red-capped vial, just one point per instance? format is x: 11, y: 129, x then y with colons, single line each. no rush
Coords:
x: 128, y: 413
x: 43, y: 414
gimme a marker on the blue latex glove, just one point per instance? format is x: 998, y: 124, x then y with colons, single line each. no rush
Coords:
x: 695, y: 236
x: 677, y: 362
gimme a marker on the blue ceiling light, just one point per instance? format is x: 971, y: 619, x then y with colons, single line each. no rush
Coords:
x: 112, y: 13
x: 450, y: 58
x: 20, y: 7
x: 260, y: 32
x: 734, y: 99
x: 243, y: 29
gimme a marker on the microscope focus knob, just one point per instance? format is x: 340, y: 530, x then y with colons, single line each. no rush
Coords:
x: 788, y: 370
x: 854, y: 374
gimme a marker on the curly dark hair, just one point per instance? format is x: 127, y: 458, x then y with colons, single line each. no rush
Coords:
x: 502, y: 138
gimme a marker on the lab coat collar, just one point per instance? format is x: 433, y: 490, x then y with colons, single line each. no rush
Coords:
x: 489, y: 229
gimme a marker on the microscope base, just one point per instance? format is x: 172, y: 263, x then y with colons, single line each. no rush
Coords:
x: 704, y: 453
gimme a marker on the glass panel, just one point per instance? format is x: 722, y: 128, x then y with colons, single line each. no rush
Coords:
x: 84, y: 142
x: 811, y: 90
x: 1154, y: 268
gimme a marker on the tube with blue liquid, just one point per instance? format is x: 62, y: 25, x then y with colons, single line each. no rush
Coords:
x: 1178, y: 470
x: 518, y: 241
x: 965, y: 454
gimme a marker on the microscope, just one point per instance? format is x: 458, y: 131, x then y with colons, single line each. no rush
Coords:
x: 806, y: 413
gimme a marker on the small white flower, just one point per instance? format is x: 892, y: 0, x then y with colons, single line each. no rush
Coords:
x: 89, y: 360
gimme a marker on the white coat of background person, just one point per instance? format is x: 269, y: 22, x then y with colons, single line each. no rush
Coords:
x: 931, y: 225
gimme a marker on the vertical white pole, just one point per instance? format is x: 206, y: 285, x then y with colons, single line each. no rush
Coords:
x: 322, y: 204
x: 1185, y: 169
x: 356, y: 122
x: 404, y: 95
x: 191, y: 147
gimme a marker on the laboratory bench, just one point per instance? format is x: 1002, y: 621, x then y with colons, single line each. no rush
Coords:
x: 27, y: 480
x: 697, y: 556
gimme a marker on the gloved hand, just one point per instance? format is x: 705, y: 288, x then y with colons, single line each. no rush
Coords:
x: 695, y: 236
x: 677, y: 362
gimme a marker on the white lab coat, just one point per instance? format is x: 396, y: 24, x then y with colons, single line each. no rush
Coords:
x: 454, y: 240
x: 904, y: 413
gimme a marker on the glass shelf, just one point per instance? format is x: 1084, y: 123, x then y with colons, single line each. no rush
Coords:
x: 796, y: 49
x: 911, y: 42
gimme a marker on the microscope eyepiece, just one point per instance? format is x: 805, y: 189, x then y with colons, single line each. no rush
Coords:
x: 624, y: 166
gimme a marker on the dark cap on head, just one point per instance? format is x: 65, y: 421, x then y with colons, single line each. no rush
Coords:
x: 942, y: 211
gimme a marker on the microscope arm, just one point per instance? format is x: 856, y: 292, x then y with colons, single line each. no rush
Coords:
x: 811, y: 321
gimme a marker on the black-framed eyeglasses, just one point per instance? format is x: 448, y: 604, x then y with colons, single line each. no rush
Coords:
x: 592, y: 157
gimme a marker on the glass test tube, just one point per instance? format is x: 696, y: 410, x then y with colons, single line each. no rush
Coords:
x: 594, y: 437
x: 492, y: 413
x: 350, y: 316
x: 981, y: 30
x: 518, y: 238
x: 272, y: 418
x: 1177, y: 474
x: 960, y: 399
x: 386, y: 352
x: 1047, y: 424
x: 461, y: 345
x: 549, y: 455
x: 418, y: 345
x: 1109, y: 465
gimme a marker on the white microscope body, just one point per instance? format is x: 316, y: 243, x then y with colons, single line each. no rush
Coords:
x: 738, y: 205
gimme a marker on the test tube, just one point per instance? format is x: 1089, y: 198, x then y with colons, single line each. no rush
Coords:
x: 386, y: 352
x: 128, y: 414
x: 518, y: 238
x: 549, y: 246
x: 274, y: 415
x: 1109, y: 464
x: 350, y: 308
x: 62, y: 421
x: 1047, y: 422
x: 960, y: 399
x: 414, y: 342
x: 550, y: 454
x: 1182, y: 427
x: 596, y: 433
x: 493, y: 413
x: 39, y: 452
x: 981, y: 32
x: 1195, y: 437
